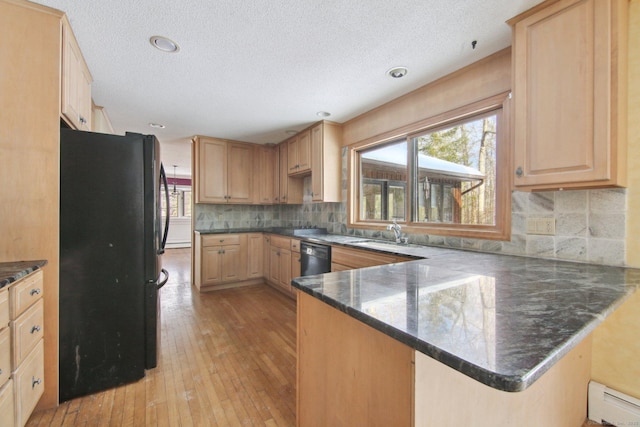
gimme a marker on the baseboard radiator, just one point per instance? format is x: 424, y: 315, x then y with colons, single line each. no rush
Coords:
x: 611, y: 407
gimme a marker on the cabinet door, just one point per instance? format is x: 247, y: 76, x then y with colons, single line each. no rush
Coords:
x: 285, y: 269
x: 211, y: 267
x: 304, y: 151
x: 212, y: 170
x: 266, y: 251
x: 274, y: 265
x: 266, y: 175
x: 295, y: 265
x: 254, y: 256
x: 239, y: 173
x: 565, y: 95
x: 232, y: 263
x: 293, y: 152
x: 76, y: 83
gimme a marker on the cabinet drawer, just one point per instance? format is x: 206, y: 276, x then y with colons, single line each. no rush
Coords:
x: 25, y: 292
x: 295, y: 245
x: 29, y: 384
x: 4, y: 308
x: 27, y: 330
x: 6, y: 405
x: 221, y: 239
x: 281, y: 242
x: 358, y: 258
x: 5, y: 356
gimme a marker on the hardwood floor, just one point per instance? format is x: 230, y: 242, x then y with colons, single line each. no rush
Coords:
x: 227, y: 358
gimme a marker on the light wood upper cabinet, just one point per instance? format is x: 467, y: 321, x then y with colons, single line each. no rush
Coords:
x: 100, y: 121
x: 299, y: 153
x: 266, y: 178
x: 290, y: 189
x: 76, y: 82
x: 239, y: 173
x: 223, y: 171
x: 326, y: 162
x: 569, y: 87
x: 282, y: 262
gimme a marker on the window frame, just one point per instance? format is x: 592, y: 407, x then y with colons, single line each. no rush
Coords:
x: 501, y: 230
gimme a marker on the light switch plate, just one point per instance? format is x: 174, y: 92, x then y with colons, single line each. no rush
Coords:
x: 544, y: 226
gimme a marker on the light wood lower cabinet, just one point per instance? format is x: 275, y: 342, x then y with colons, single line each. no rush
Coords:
x: 21, y: 349
x: 349, y: 373
x: 231, y: 260
x: 347, y: 259
x: 7, y: 405
x: 280, y: 263
x: 29, y: 384
x: 255, y: 265
x: 221, y: 259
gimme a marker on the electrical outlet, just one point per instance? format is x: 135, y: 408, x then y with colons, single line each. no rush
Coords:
x: 545, y: 226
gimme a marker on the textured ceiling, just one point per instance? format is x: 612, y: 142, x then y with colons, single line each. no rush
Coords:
x: 251, y: 69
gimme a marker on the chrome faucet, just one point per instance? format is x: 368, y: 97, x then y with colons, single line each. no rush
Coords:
x: 397, y: 230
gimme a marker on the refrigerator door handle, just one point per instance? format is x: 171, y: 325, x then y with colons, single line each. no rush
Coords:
x: 163, y: 176
x: 166, y: 278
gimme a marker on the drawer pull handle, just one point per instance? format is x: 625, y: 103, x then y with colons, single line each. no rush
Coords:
x: 35, y: 291
x: 35, y: 382
x: 0, y: 371
x: 35, y: 329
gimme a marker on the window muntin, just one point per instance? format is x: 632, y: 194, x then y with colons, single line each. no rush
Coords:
x: 440, y: 204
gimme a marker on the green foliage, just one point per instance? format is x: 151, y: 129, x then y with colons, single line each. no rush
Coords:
x: 450, y: 144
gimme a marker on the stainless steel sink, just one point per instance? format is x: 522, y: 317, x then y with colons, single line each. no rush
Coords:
x: 384, y: 246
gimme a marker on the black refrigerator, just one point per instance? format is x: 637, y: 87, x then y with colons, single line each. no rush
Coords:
x: 112, y: 237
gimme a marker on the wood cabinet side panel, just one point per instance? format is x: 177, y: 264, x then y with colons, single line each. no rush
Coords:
x: 30, y: 88
x: 446, y: 397
x: 349, y: 373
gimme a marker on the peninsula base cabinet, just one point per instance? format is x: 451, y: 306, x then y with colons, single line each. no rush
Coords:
x: 351, y: 374
x: 21, y: 349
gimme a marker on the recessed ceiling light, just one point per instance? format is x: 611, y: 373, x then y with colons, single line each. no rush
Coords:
x: 398, y: 72
x: 291, y: 132
x: 157, y: 125
x: 164, y: 44
x: 323, y: 114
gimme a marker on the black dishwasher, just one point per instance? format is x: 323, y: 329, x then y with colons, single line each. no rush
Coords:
x: 314, y: 258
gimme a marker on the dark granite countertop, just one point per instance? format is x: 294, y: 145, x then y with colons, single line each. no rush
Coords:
x: 501, y: 320
x: 12, y: 271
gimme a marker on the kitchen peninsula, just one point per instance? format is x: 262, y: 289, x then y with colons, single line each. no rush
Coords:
x: 460, y: 338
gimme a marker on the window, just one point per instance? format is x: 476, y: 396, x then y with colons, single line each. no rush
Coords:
x: 179, y: 201
x: 445, y: 176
